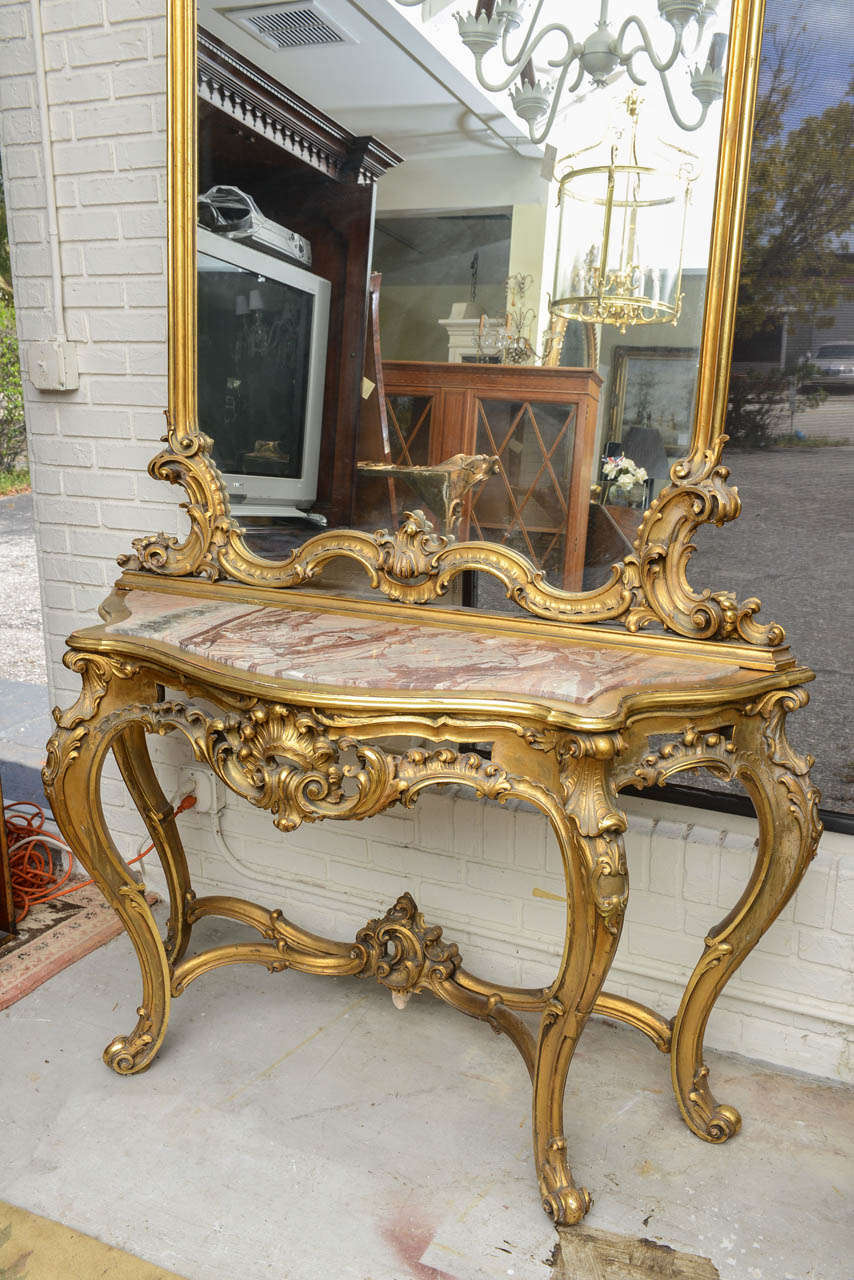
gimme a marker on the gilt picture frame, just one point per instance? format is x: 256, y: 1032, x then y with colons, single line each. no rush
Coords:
x: 653, y: 387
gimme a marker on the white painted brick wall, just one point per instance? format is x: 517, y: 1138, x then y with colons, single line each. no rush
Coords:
x: 89, y: 448
x: 472, y: 867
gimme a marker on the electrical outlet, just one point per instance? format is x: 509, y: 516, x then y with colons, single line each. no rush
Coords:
x: 201, y: 783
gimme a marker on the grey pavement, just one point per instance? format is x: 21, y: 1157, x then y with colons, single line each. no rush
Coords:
x: 25, y: 720
x: 833, y: 419
x: 25, y: 726
x: 793, y: 546
x: 393, y: 1144
x: 22, y: 655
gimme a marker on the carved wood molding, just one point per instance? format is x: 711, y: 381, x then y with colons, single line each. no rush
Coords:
x: 240, y: 89
x: 414, y: 564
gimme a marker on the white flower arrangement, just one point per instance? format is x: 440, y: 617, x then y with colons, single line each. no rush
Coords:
x: 622, y: 473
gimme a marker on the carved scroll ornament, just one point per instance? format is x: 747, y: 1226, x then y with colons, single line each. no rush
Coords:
x: 414, y: 564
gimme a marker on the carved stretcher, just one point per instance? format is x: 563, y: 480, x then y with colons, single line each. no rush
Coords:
x: 563, y: 719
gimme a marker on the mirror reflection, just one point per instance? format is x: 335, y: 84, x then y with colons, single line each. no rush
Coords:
x: 455, y: 263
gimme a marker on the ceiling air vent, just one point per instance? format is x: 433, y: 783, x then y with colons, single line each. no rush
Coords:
x: 295, y: 25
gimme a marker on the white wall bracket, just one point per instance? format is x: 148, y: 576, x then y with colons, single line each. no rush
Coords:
x: 52, y: 366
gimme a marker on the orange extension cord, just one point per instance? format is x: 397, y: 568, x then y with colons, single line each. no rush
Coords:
x: 35, y: 856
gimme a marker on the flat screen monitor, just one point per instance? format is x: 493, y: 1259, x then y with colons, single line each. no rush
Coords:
x: 262, y: 334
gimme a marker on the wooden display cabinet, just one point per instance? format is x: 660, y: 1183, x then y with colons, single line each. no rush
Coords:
x: 541, y: 425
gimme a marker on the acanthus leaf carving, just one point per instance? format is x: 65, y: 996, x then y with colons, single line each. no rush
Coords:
x: 123, y: 1053
x: 585, y: 767
x: 657, y: 570
x: 278, y: 758
x: 562, y: 1200
x: 187, y: 462
x: 414, y: 564
x: 409, y: 553
x: 404, y: 952
x: 715, y: 1121
x: 791, y: 769
x: 691, y: 749
x: 610, y: 879
x: 96, y: 672
x: 419, y: 768
x: 586, y: 763
x: 773, y: 708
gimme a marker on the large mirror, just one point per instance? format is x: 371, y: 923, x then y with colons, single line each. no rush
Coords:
x: 477, y: 265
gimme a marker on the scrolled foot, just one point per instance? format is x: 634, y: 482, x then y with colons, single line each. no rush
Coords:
x: 711, y: 1120
x: 126, y: 1055
x: 564, y: 1203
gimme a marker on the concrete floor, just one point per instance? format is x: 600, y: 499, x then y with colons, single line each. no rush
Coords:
x: 306, y: 1130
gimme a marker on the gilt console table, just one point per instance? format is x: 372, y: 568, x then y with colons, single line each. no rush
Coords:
x: 563, y: 718
x: 293, y: 695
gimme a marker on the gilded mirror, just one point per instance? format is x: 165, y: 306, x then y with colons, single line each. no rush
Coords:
x: 423, y: 326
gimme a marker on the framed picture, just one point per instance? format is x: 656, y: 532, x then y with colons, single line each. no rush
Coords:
x: 652, y: 389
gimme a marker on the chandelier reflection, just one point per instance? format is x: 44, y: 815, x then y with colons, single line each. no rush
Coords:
x: 510, y: 343
x: 621, y: 234
x: 602, y: 55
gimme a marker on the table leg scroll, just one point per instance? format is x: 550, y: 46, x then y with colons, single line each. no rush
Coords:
x: 777, y: 781
x: 72, y: 781
x: 589, y: 835
x: 134, y: 761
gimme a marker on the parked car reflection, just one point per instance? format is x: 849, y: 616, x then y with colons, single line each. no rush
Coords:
x: 833, y: 365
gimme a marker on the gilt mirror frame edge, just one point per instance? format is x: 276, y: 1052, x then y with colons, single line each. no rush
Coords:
x: 414, y: 564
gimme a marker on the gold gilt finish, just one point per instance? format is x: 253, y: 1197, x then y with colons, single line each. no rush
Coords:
x: 443, y: 485
x: 412, y: 563
x: 309, y: 763
x: 308, y: 754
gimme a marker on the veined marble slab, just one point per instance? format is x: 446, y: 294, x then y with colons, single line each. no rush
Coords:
x: 325, y: 648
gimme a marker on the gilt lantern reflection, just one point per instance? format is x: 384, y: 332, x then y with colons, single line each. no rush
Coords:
x: 622, y: 232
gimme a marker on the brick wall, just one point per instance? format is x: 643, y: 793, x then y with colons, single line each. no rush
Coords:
x: 105, y: 63
x: 472, y: 867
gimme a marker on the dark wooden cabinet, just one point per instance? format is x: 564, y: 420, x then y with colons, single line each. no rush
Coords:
x: 307, y: 172
x: 539, y: 422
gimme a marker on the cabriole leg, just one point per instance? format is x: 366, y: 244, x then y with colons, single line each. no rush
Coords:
x: 777, y: 781
x: 590, y: 838
x: 134, y: 761
x: 72, y: 780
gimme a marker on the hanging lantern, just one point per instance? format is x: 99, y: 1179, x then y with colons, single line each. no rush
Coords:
x: 621, y: 234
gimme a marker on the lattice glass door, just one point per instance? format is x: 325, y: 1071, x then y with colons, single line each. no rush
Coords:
x: 525, y: 504
x: 409, y: 420
x: 380, y: 502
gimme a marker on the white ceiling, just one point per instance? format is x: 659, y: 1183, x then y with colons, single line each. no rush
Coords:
x: 388, y: 81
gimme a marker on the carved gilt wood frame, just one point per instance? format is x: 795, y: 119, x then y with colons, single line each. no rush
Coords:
x: 414, y: 564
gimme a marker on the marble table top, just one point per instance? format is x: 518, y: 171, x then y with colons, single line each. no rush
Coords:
x: 324, y: 647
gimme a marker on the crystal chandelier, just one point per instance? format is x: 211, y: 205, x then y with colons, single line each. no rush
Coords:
x: 511, y: 344
x: 621, y: 233
x: 600, y: 55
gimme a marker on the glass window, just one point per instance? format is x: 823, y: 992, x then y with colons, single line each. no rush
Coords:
x: 791, y: 407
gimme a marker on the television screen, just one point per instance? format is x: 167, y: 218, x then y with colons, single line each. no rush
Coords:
x: 254, y: 368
